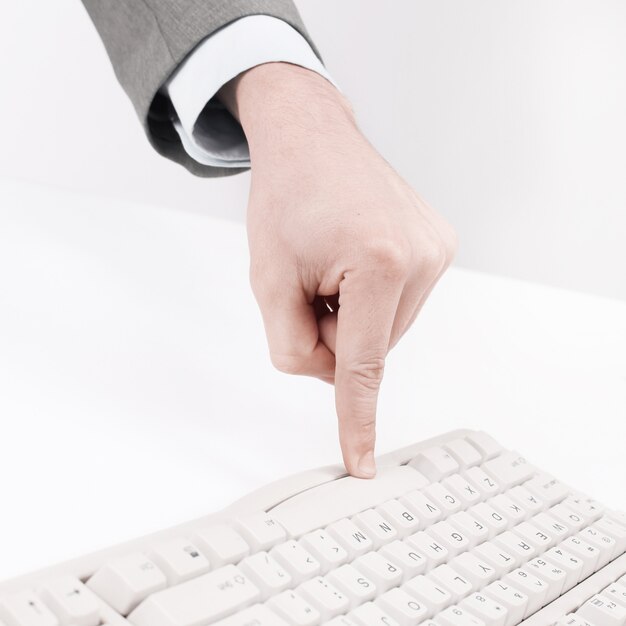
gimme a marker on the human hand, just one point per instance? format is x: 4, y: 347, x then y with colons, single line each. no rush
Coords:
x: 331, y: 226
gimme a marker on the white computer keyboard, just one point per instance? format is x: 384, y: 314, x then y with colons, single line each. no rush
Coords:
x: 454, y: 531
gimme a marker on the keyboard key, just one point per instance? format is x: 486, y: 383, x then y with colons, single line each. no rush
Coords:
x: 426, y: 510
x: 350, y: 581
x: 179, y: 560
x: 526, y: 499
x: 257, y: 615
x: 456, y: 584
x: 464, y: 489
x: 571, y: 564
x: 300, y: 564
x: 455, y: 541
x: 353, y: 540
x: 377, y: 528
x: 509, y: 509
x: 456, y: 616
x: 603, y: 542
x: 491, y: 612
x: 495, y: 522
x: 26, y: 609
x: 325, y: 548
x: 552, y: 526
x: 509, y: 469
x: 617, y: 593
x: 514, y: 600
x: 614, y: 529
x: 295, y: 609
x: 602, y: 610
x: 475, y: 531
x: 534, y: 587
x: 261, y: 531
x: 435, y: 463
x: 553, y: 575
x: 221, y: 544
x: 478, y: 571
x: 485, y: 444
x: 434, y: 551
x: 124, y: 582
x: 489, y: 486
x: 547, y: 488
x: 72, y: 602
x: 403, y: 519
x: 534, y: 536
x: 433, y: 595
x: 590, y: 509
x: 404, y: 608
x: 519, y: 549
x: 584, y: 551
x: 370, y: 614
x: 380, y: 570
x: 571, y: 518
x: 443, y: 498
x: 263, y: 570
x: 464, y: 453
x: 411, y: 561
x: 202, y: 600
x: 326, y: 598
x: 500, y: 559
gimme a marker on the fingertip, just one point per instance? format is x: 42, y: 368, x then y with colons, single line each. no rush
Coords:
x: 367, y: 465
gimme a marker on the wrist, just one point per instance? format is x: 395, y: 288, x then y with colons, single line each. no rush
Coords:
x: 281, y: 105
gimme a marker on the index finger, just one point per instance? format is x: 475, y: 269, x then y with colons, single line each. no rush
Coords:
x: 368, y: 302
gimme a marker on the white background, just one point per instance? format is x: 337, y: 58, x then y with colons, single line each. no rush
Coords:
x: 508, y: 116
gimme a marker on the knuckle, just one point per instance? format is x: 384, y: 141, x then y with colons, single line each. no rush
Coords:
x: 367, y: 375
x: 434, y: 256
x: 391, y: 255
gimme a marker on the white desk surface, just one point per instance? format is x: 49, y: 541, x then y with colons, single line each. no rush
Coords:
x: 136, y: 391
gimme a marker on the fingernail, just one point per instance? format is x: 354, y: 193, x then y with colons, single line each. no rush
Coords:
x: 367, y: 465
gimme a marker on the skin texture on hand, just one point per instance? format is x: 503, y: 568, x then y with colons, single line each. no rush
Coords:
x: 343, y: 252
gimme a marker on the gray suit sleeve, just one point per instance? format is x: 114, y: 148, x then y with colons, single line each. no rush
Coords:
x: 146, y: 40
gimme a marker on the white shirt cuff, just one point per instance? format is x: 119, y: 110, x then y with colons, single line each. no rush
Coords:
x: 208, y: 132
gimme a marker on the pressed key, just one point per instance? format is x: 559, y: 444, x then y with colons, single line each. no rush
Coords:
x: 326, y: 598
x: 296, y: 560
x: 26, y: 609
x: 221, y: 544
x: 72, y: 602
x: 201, y: 600
x: 328, y: 551
x: 464, y: 453
x: 124, y: 582
x: 179, y: 560
x: 435, y: 463
x: 403, y: 607
x: 257, y: 615
x: 261, y: 531
x: 509, y: 469
x: 295, y: 609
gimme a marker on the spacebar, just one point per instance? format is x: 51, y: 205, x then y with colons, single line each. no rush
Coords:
x: 327, y: 503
